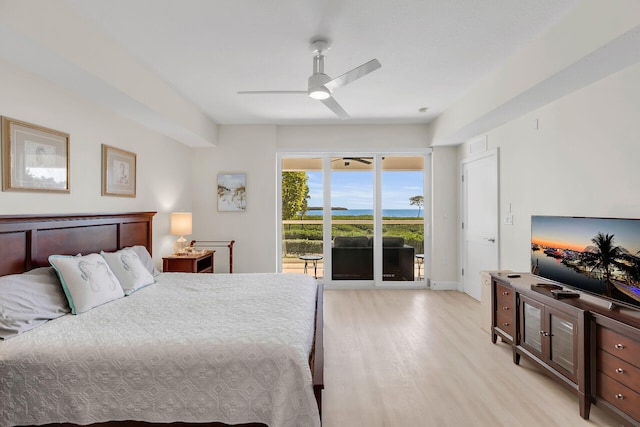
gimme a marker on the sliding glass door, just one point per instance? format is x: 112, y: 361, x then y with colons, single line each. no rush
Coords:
x: 354, y: 220
x: 402, y: 228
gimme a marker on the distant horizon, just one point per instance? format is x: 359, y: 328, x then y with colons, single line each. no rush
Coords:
x: 355, y: 190
x: 399, y: 213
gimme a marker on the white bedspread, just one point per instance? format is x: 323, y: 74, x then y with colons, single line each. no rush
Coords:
x: 231, y: 348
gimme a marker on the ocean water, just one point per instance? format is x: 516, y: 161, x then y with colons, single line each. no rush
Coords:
x: 401, y: 213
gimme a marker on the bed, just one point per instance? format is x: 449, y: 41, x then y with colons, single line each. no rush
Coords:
x: 192, y: 349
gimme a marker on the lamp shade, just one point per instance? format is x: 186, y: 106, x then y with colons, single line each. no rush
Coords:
x: 180, y: 223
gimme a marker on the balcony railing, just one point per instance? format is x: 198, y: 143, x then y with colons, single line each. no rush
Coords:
x: 292, y: 264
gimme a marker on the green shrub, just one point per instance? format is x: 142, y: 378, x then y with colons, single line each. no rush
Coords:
x: 306, y: 233
x: 307, y: 238
x: 301, y: 247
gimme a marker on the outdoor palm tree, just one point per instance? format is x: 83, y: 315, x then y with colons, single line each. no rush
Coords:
x: 606, y: 255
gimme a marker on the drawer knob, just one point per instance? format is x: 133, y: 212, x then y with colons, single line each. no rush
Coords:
x: 619, y: 346
x: 505, y: 308
x: 505, y: 293
x: 619, y: 396
x: 619, y: 370
x: 505, y: 324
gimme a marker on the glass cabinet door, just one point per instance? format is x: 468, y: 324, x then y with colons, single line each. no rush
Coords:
x: 532, y: 325
x: 561, y: 351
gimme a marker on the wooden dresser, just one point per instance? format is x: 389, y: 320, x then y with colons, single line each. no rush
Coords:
x: 577, y: 341
x: 617, y: 368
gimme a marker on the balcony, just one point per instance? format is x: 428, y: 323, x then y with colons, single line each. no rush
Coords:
x: 295, y: 244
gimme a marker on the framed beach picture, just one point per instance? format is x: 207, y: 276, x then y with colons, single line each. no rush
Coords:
x: 34, y: 158
x: 232, y: 192
x: 118, y: 172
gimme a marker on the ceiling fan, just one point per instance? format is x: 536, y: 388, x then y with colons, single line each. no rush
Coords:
x: 364, y: 160
x: 347, y: 160
x: 320, y: 85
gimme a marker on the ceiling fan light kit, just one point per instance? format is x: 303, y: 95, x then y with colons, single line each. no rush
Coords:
x: 320, y: 86
x: 319, y: 92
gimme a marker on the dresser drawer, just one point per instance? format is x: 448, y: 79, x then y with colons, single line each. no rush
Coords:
x: 619, y: 370
x: 618, y: 395
x: 504, y: 297
x: 505, y: 321
x: 505, y: 315
x: 619, y: 345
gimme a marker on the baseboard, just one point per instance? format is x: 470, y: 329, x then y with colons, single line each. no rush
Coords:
x: 444, y: 286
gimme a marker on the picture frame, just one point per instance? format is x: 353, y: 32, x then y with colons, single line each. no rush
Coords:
x: 118, y: 172
x: 34, y: 158
x: 232, y: 192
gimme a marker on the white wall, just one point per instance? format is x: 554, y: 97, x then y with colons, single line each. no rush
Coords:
x: 582, y: 161
x: 163, y: 178
x: 445, y: 190
x: 352, y: 137
x: 250, y: 150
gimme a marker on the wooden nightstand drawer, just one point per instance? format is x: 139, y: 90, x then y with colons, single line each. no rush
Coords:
x: 198, y: 263
x: 619, y: 345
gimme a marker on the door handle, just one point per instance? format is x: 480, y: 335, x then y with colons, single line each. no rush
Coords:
x: 490, y: 239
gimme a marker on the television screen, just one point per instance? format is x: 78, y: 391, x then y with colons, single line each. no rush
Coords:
x: 600, y: 256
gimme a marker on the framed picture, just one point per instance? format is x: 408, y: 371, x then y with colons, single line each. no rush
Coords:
x: 232, y: 192
x: 118, y: 172
x: 34, y: 158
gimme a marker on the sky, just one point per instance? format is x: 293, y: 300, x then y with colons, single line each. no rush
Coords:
x: 354, y: 190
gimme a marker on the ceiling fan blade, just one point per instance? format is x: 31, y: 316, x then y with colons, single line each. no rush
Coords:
x: 361, y: 160
x: 333, y: 105
x: 353, y: 75
x: 271, y: 92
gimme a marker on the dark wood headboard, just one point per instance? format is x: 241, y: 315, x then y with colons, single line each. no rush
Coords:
x: 26, y: 241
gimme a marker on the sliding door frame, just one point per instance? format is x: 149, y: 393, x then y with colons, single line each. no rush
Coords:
x: 326, y: 157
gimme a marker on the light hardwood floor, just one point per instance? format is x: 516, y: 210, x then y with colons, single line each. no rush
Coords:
x: 409, y: 358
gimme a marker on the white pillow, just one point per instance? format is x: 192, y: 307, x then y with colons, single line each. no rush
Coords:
x: 87, y: 281
x: 129, y: 269
x: 29, y: 300
x: 146, y: 259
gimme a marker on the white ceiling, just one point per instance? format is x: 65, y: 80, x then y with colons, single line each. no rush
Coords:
x: 432, y: 51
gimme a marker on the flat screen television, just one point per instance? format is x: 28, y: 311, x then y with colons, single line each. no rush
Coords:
x: 599, y: 256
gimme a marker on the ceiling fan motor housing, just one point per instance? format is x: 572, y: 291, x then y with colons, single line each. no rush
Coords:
x: 317, y: 89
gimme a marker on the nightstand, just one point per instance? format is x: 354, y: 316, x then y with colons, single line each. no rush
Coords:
x: 192, y: 263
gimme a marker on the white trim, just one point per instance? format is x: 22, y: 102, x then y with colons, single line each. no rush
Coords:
x: 478, y: 156
x: 478, y: 145
x: 445, y: 286
x: 278, y: 259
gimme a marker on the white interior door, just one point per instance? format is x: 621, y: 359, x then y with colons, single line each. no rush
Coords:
x: 480, y: 220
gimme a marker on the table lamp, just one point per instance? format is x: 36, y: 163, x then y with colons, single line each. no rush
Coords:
x: 180, y: 225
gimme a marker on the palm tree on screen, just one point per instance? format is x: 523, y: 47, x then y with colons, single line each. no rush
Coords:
x: 605, y: 256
